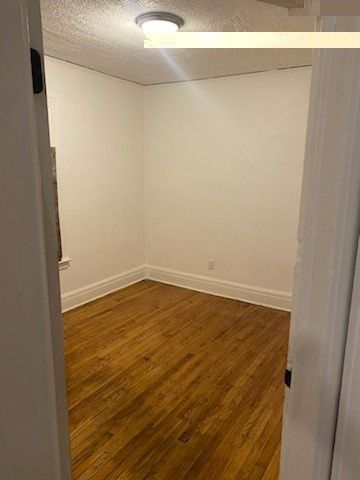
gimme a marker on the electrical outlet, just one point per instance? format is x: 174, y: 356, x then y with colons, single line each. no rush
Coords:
x: 211, y: 264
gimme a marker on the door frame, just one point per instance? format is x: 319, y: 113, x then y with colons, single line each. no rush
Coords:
x: 33, y: 410
x: 51, y: 243
x: 327, y: 238
x: 346, y: 462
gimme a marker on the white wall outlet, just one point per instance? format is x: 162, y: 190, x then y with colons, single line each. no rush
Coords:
x: 211, y: 264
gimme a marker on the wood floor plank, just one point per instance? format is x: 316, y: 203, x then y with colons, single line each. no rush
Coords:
x: 170, y: 384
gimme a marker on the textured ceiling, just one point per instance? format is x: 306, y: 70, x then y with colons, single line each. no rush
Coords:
x: 102, y: 35
x: 286, y: 3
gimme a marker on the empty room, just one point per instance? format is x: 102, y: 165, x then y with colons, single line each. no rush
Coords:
x: 177, y: 175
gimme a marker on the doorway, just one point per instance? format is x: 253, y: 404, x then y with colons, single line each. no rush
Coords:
x: 336, y: 244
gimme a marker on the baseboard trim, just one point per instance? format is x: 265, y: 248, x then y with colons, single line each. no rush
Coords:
x: 99, y: 289
x: 258, y: 296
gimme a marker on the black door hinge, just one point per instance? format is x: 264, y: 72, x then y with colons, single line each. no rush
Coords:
x: 36, y: 71
x: 288, y: 375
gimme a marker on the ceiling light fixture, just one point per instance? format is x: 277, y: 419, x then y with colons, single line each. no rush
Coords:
x: 159, y: 22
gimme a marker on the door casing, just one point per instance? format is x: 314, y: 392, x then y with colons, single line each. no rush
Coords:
x: 33, y: 413
x: 327, y: 237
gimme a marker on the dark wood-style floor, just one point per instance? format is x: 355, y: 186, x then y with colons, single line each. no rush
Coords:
x: 170, y: 384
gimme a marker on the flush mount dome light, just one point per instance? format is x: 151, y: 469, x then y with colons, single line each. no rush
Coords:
x: 159, y: 22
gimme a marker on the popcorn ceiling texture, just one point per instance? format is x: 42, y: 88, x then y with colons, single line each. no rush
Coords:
x: 102, y: 35
x: 340, y: 7
x: 286, y: 3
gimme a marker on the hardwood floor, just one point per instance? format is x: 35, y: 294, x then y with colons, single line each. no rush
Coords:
x: 170, y: 384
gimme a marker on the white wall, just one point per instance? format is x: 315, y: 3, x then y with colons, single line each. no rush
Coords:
x: 97, y: 127
x: 222, y: 175
x: 224, y: 163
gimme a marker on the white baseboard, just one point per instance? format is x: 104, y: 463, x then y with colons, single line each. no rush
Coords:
x: 222, y: 288
x: 103, y: 287
x: 259, y: 296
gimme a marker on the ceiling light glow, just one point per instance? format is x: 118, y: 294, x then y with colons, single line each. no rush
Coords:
x: 159, y: 22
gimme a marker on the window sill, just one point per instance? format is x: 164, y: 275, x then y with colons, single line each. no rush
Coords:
x: 64, y: 263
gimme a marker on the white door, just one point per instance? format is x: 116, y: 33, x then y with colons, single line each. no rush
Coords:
x: 346, y: 465
x: 328, y: 235
x: 33, y: 416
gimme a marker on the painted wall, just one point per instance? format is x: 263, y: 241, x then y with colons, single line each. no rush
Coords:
x: 97, y: 127
x: 224, y: 163
x: 219, y: 162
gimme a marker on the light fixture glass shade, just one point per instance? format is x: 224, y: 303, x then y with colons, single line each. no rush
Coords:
x: 159, y: 22
x: 159, y: 26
